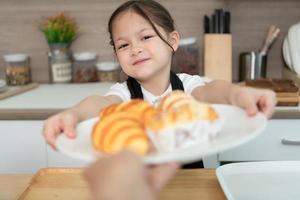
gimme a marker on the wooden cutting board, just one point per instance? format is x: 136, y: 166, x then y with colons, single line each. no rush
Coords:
x: 51, y: 183
x: 14, y: 90
x: 287, y: 91
x: 68, y: 183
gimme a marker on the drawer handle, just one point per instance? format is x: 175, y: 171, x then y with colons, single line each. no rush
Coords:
x: 290, y: 142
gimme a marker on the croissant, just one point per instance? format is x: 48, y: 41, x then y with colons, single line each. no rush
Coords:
x: 125, y: 125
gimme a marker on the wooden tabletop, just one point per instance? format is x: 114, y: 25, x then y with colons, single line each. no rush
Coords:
x: 64, y: 184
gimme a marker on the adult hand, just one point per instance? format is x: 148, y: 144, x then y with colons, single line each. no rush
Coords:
x: 124, y: 176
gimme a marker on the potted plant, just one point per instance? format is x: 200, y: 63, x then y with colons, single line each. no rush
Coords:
x: 60, y: 31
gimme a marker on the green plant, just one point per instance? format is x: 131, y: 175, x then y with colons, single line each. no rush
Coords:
x: 59, y: 29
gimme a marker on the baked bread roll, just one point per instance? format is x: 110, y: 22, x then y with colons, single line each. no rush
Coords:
x: 182, y: 122
x: 178, y: 121
x: 178, y: 108
x: 121, y: 126
x: 118, y: 131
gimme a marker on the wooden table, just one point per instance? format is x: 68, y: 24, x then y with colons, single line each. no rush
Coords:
x: 187, y: 184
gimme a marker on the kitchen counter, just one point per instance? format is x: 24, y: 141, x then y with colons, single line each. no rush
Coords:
x: 48, y: 99
x: 187, y: 184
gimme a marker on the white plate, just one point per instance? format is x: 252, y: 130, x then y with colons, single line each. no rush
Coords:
x: 238, y: 129
x: 276, y: 180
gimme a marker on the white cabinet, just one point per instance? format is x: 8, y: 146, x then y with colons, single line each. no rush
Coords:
x: 22, y: 147
x: 24, y: 150
x: 279, y: 141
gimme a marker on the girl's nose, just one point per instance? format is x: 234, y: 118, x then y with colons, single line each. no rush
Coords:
x: 137, y: 49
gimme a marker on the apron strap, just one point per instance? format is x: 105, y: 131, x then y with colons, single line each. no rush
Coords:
x: 176, y: 84
x: 136, y: 90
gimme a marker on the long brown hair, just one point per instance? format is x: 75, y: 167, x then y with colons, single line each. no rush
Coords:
x: 151, y: 11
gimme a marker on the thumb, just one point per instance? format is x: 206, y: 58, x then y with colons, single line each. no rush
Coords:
x: 249, y: 104
x: 251, y: 109
x: 161, y: 174
x: 69, y: 124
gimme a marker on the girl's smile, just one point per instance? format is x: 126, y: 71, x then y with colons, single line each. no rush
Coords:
x: 142, y: 54
x: 140, y: 61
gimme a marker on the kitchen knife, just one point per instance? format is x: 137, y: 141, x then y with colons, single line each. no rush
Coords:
x: 206, y: 24
x: 214, y: 24
x: 227, y: 19
x: 220, y: 16
x: 217, y: 30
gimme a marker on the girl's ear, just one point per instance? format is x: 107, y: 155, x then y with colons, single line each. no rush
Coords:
x: 174, y: 40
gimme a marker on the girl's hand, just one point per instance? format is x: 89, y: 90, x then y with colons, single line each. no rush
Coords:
x: 63, y: 122
x: 253, y: 100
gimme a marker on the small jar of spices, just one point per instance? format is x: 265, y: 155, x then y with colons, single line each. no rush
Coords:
x: 108, y: 72
x: 84, y: 67
x: 17, y: 69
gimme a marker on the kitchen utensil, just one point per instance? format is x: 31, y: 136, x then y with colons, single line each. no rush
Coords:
x: 218, y: 56
x: 252, y: 65
x: 219, y: 22
x: 287, y: 92
x: 227, y: 17
x: 273, y: 33
x: 14, y: 90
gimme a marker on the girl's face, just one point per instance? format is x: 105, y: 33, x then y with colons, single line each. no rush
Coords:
x: 140, y: 51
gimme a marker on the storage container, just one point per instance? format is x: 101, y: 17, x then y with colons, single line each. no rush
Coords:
x: 84, y: 67
x: 108, y: 72
x: 17, y: 69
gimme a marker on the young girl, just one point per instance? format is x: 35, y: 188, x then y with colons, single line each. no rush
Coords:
x: 144, y: 39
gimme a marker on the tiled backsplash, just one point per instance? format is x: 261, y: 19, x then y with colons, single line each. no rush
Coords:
x: 250, y: 19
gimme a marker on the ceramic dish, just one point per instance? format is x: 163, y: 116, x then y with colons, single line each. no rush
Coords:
x: 238, y: 129
x: 276, y: 180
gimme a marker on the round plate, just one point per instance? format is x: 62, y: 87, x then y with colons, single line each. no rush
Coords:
x: 238, y: 129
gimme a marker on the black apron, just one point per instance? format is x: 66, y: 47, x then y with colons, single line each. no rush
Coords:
x: 176, y: 84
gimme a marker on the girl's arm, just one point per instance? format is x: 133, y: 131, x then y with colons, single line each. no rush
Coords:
x: 90, y: 106
x: 250, y: 99
x: 216, y: 91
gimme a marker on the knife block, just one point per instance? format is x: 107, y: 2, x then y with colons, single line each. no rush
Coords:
x: 218, y: 56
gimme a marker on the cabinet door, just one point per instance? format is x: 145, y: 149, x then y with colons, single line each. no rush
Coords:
x: 22, y: 147
x: 279, y: 141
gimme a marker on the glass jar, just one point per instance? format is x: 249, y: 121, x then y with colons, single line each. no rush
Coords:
x: 17, y: 69
x: 84, y: 67
x: 60, y: 67
x: 108, y: 72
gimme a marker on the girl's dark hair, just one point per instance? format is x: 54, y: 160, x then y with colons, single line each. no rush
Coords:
x: 151, y: 11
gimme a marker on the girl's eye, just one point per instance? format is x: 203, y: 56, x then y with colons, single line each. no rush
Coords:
x: 147, y: 37
x: 122, y: 46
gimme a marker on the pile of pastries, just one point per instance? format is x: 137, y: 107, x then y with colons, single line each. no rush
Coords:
x: 143, y: 128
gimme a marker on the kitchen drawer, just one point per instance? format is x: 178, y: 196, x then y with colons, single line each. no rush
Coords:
x: 279, y: 141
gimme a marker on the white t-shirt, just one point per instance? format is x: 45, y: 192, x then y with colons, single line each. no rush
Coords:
x: 190, y: 82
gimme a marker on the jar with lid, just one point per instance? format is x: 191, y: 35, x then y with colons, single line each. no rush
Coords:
x: 17, y: 69
x: 108, y: 72
x: 84, y: 67
x: 60, y: 66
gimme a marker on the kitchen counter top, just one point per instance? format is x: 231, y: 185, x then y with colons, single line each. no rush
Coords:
x: 187, y: 184
x: 48, y: 99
